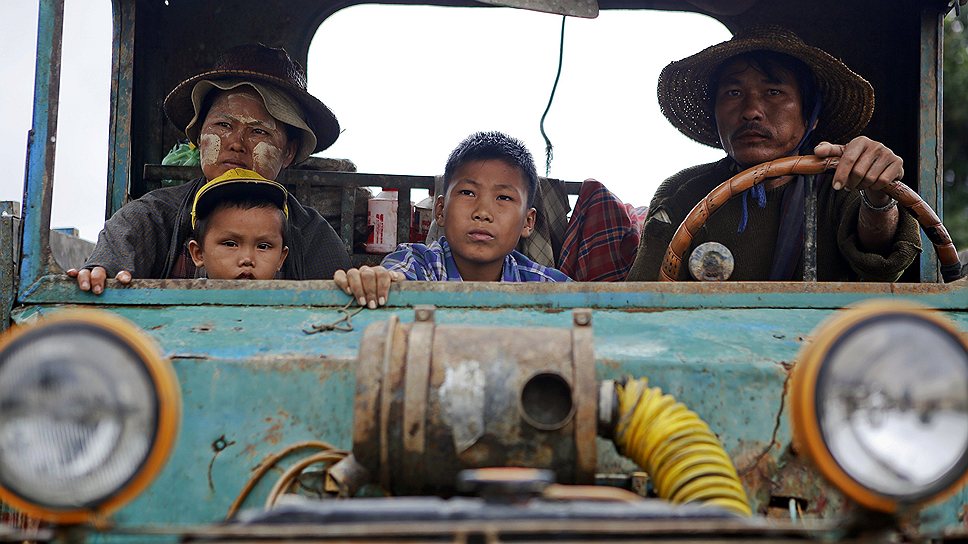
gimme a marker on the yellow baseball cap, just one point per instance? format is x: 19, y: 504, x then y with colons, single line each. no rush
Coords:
x: 238, y: 181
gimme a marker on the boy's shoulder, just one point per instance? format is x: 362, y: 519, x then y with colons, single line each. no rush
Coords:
x: 434, y: 248
x: 528, y: 270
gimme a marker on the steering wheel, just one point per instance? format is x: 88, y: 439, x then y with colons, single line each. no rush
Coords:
x: 802, y: 165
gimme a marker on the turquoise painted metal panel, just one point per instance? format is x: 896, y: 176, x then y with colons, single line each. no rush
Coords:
x: 632, y: 296
x: 122, y: 85
x: 41, y: 143
x: 254, y: 382
x: 235, y: 414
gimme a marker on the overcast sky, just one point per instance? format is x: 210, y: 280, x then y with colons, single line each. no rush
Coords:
x: 407, y: 84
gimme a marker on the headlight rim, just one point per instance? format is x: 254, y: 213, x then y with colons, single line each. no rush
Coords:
x: 161, y: 376
x: 808, y: 435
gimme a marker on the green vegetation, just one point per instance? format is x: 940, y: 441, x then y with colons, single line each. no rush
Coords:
x: 956, y: 130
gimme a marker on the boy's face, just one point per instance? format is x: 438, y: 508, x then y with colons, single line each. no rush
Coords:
x: 484, y: 214
x: 241, y: 244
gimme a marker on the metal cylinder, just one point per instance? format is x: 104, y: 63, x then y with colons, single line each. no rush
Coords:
x: 433, y: 400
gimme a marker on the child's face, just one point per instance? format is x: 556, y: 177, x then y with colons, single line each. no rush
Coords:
x: 484, y: 214
x: 241, y: 244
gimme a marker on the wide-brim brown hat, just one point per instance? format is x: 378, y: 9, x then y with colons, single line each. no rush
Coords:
x: 687, y: 101
x: 259, y: 64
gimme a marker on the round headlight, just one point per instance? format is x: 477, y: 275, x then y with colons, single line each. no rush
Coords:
x: 879, y: 401
x: 88, y: 414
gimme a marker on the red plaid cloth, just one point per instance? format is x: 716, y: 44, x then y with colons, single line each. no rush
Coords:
x: 602, y: 236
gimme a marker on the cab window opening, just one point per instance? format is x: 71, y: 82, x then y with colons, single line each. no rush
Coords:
x: 437, y: 75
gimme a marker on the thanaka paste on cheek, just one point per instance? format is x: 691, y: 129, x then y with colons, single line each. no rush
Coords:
x: 210, y: 146
x: 266, y: 157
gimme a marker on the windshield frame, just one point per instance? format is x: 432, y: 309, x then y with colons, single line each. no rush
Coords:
x: 40, y: 281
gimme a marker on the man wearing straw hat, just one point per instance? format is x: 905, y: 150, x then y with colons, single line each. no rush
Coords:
x: 761, y: 96
x: 252, y: 111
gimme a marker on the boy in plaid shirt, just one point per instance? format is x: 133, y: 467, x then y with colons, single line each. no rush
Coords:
x: 489, y: 186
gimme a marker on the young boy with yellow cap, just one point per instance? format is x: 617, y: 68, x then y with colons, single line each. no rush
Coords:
x: 239, y: 221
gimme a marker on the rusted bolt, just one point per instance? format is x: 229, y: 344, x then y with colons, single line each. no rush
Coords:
x: 221, y: 443
x: 424, y: 313
x: 582, y: 317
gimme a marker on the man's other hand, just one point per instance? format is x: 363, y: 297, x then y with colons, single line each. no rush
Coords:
x: 94, y: 280
x: 369, y: 285
x: 864, y: 164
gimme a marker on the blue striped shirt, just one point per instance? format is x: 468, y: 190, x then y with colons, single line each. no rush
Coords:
x: 435, y: 262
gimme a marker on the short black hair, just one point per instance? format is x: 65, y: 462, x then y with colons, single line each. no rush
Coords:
x: 769, y: 63
x: 235, y: 197
x: 482, y: 146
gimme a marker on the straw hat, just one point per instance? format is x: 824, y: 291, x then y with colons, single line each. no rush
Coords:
x: 280, y: 81
x: 688, y: 102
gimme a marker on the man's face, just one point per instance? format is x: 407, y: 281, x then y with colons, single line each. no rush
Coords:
x: 484, y: 213
x: 238, y: 132
x: 241, y: 244
x: 759, y: 118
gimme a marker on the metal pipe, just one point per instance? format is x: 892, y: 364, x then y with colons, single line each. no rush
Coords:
x: 41, y: 144
x: 929, y: 181
x: 810, y: 229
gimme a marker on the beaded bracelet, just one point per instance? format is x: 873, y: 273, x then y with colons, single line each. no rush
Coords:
x: 870, y: 205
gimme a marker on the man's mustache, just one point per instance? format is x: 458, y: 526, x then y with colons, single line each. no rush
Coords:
x: 754, y: 128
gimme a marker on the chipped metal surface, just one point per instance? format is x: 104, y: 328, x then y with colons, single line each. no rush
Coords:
x: 464, y: 396
x: 619, y: 295
x: 42, y: 142
x: 461, y: 398
x: 250, y: 373
x: 9, y: 256
x: 122, y: 89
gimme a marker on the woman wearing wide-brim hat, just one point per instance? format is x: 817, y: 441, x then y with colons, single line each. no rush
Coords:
x: 760, y: 96
x: 250, y: 110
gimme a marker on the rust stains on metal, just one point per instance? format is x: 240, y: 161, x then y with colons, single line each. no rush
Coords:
x: 676, y: 288
x: 776, y: 424
x: 273, y: 434
x: 773, y: 482
x: 464, y: 388
x: 611, y: 364
x: 758, y: 474
x: 325, y: 368
x: 797, y: 478
x: 250, y: 451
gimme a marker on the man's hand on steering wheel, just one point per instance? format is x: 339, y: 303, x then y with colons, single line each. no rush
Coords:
x: 864, y: 164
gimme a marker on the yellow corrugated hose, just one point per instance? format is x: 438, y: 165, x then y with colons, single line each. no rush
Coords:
x: 682, y: 456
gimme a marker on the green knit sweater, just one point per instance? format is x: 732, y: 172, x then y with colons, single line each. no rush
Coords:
x: 839, y: 254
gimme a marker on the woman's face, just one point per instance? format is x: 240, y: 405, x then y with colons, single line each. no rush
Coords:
x: 238, y: 132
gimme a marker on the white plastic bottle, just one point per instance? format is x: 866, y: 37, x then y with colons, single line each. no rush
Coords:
x: 382, y: 217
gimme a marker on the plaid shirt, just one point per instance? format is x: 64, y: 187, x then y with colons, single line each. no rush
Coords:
x: 435, y: 262
x: 602, y: 237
